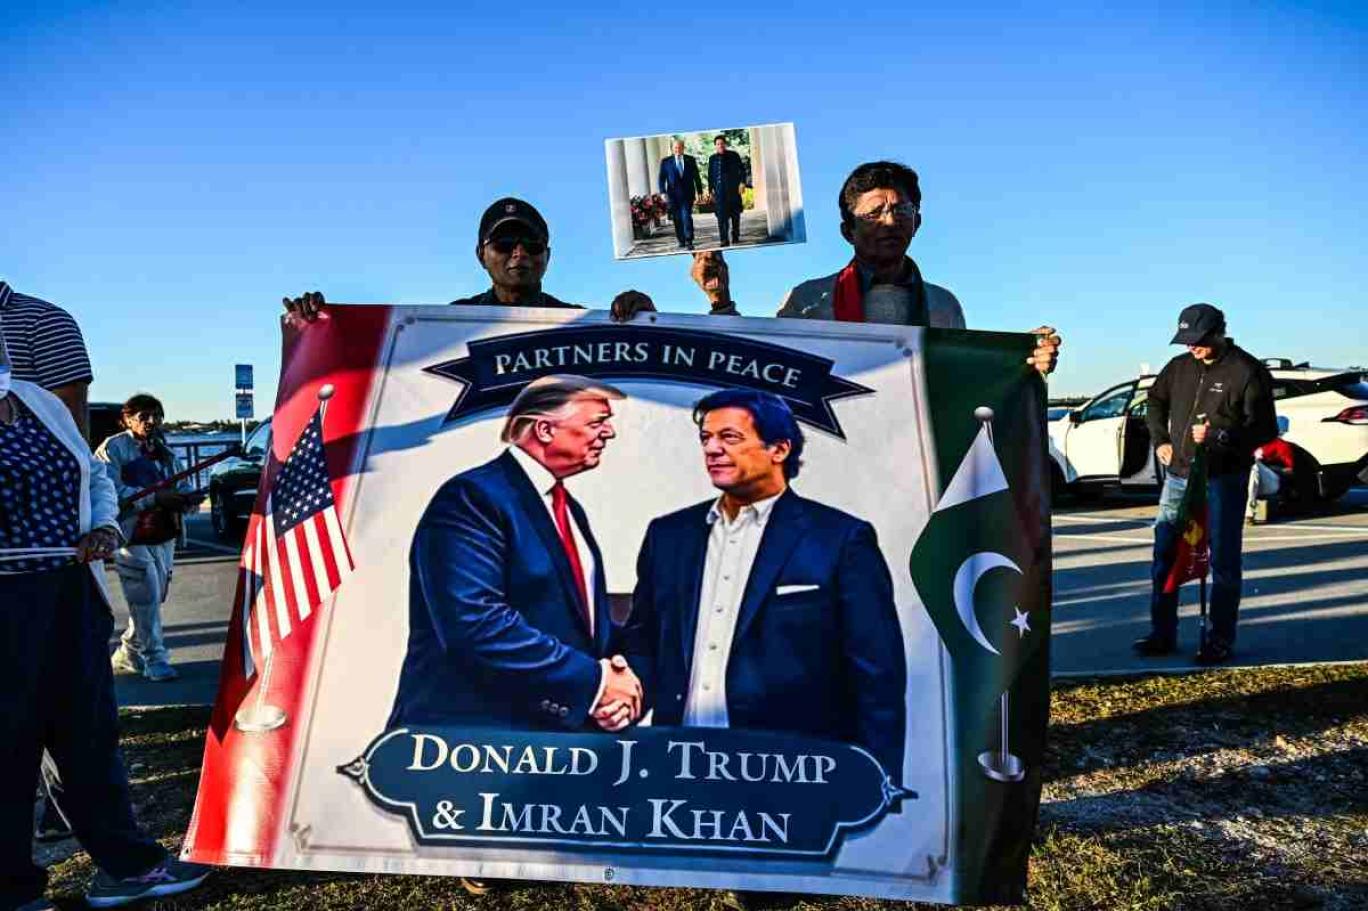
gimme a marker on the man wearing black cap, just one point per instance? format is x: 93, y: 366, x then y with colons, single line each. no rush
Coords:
x: 515, y: 249
x: 1219, y: 397
x: 513, y: 246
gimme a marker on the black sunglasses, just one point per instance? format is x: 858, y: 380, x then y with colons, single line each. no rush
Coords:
x: 506, y: 245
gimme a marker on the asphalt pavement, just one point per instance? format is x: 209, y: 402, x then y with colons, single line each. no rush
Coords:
x: 194, y: 620
x: 1305, y: 596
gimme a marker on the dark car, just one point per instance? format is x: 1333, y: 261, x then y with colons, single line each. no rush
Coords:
x: 233, y: 484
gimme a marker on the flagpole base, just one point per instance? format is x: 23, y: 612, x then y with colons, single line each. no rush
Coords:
x: 1000, y: 767
x: 259, y: 719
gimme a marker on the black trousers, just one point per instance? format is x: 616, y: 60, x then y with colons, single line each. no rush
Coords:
x: 729, y: 217
x: 57, y: 691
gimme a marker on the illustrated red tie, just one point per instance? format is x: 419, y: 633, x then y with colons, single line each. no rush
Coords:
x: 560, y: 507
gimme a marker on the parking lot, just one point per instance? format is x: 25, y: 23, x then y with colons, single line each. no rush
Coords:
x: 1305, y: 588
x: 1305, y: 595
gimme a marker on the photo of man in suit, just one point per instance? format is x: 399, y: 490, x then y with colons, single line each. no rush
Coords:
x: 509, y: 623
x: 726, y: 177
x: 765, y: 610
x: 681, y: 184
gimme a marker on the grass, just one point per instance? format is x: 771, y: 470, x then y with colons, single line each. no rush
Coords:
x: 1243, y: 788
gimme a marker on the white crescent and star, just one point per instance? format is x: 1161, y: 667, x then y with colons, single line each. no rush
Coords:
x: 966, y: 580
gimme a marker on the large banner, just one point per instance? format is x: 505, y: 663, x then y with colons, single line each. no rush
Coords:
x: 477, y: 523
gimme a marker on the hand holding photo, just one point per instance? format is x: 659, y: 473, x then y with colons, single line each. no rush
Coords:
x: 681, y: 192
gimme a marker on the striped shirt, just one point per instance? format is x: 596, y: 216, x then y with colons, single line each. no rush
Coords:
x: 44, y: 343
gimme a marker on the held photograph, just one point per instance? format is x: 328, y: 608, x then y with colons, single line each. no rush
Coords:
x: 704, y: 190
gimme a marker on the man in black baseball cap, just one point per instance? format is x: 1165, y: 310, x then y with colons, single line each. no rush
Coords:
x: 1197, y: 323
x: 514, y: 247
x: 1219, y: 398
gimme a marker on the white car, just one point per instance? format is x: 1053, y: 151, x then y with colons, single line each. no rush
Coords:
x: 1323, y: 412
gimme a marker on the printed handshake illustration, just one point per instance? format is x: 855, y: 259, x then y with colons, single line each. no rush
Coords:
x: 621, y: 700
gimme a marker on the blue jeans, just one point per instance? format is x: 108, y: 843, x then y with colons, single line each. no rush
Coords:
x: 1226, y: 500
x: 58, y: 693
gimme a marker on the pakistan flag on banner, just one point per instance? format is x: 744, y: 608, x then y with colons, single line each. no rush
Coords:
x: 981, y: 567
x: 969, y: 566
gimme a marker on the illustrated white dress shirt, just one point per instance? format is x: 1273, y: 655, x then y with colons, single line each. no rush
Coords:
x: 732, y: 548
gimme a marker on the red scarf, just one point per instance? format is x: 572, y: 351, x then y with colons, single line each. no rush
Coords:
x: 848, y: 298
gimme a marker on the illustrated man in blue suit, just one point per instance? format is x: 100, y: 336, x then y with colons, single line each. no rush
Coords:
x: 764, y: 610
x: 680, y: 182
x: 509, y: 623
x: 726, y: 177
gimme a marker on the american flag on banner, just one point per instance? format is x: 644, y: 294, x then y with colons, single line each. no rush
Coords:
x: 297, y: 555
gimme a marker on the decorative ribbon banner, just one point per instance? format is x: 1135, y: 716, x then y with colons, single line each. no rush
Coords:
x: 498, y: 368
x: 651, y: 788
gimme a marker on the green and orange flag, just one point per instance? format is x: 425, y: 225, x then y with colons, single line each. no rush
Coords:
x: 1193, y: 558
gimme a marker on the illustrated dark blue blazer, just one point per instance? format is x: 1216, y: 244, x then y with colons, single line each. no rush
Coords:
x: 495, y: 634
x: 680, y: 188
x: 824, y: 657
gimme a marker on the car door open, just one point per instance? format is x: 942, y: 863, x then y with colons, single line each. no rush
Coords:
x: 1093, y: 444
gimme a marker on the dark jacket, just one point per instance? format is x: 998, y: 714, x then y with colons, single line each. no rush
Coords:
x: 496, y: 636
x: 681, y: 188
x: 726, y: 177
x: 818, y: 648
x: 487, y: 298
x: 1234, y: 393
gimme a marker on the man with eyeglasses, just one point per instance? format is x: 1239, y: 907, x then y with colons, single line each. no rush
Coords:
x: 880, y: 205
x: 513, y: 247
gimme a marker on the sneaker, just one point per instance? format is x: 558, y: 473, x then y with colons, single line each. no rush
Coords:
x: 1214, y: 652
x: 170, y: 877
x: 158, y: 673
x: 1153, y: 646
x: 124, y: 662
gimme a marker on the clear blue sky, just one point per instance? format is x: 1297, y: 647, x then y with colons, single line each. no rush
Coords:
x: 170, y: 170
